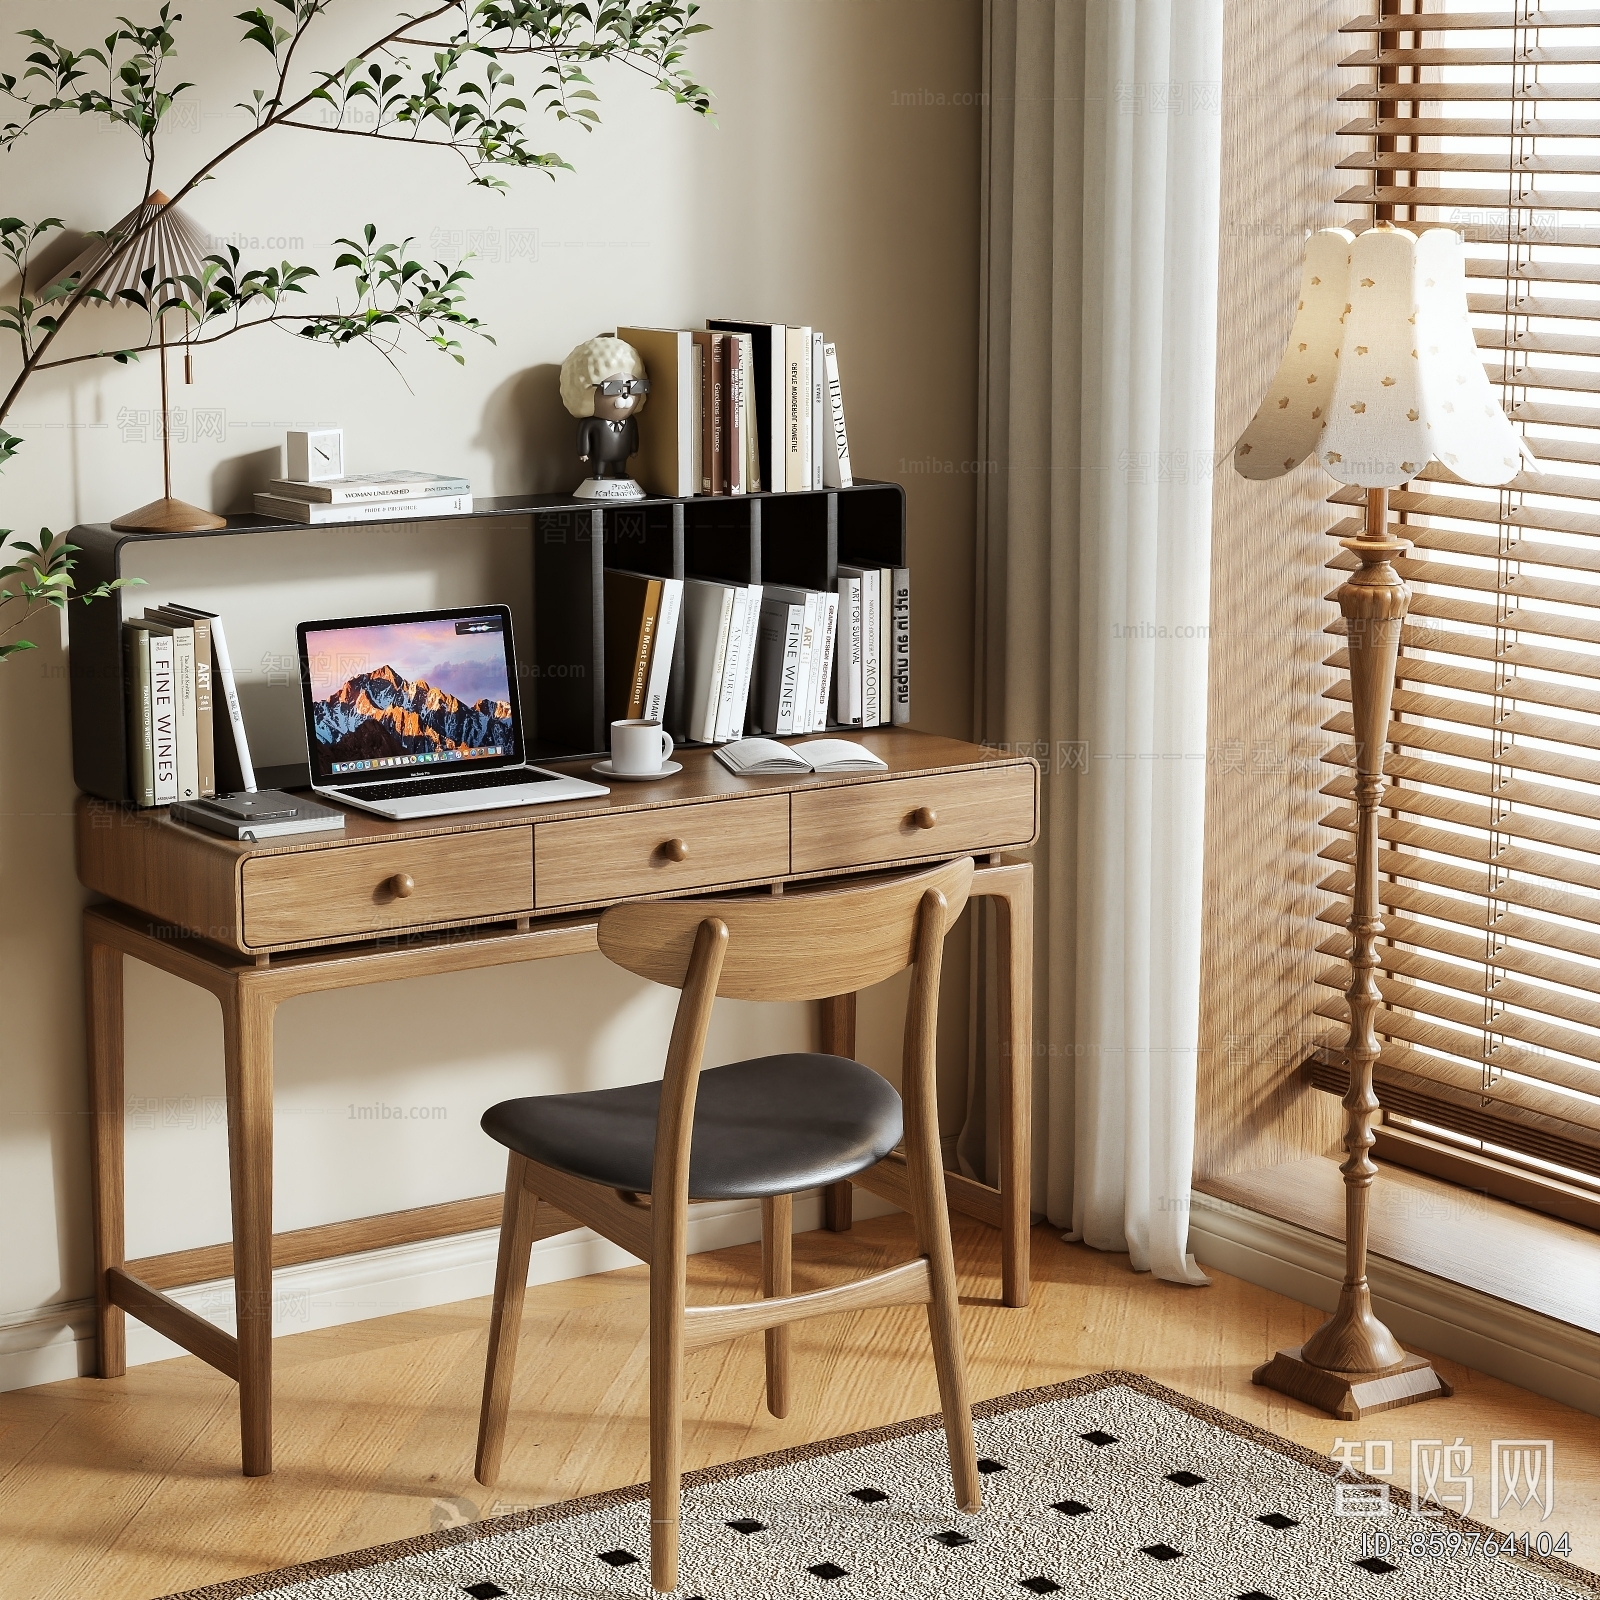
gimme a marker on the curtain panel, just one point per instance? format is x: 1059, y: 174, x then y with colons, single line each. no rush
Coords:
x: 1102, y: 160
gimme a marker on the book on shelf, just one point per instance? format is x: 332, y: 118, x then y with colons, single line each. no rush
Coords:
x: 900, y: 675
x: 632, y: 605
x: 665, y: 462
x: 741, y: 427
x: 720, y: 624
x: 398, y: 508
x: 163, y: 713
x: 710, y: 422
x: 663, y: 650
x: 766, y: 387
x: 836, y: 449
x: 797, y: 409
x: 360, y: 487
x: 847, y: 654
x: 204, y: 705
x: 185, y: 733
x: 141, y: 725
x: 764, y: 757
x: 870, y: 579
x: 778, y: 663
x: 819, y: 385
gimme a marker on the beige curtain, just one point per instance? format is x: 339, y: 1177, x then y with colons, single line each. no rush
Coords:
x: 1102, y: 161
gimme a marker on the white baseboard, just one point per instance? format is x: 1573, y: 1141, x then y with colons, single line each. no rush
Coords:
x: 49, y: 1343
x: 1507, y: 1341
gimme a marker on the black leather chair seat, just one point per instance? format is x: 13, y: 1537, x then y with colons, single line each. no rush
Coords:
x: 770, y: 1126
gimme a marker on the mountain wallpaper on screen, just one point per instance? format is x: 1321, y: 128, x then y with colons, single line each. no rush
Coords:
x: 381, y: 713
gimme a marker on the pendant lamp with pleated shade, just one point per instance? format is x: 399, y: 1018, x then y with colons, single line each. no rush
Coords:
x: 171, y: 246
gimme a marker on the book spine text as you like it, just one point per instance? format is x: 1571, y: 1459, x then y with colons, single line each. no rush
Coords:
x: 901, y: 706
x: 163, y: 718
x: 141, y: 739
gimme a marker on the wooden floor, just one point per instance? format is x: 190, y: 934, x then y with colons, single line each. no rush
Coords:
x: 131, y: 1488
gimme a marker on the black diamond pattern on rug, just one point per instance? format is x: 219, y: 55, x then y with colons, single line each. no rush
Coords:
x: 1162, y: 1552
x: 1186, y: 1480
x: 747, y: 1525
x: 1099, y: 1437
x: 484, y: 1591
x: 868, y: 1497
x: 826, y: 1570
x: 1276, y: 1519
x: 952, y: 1538
x: 1040, y: 1585
x: 1072, y: 1508
x: 619, y: 1558
x: 1377, y: 1564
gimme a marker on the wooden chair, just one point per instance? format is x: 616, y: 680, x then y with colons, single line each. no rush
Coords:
x: 628, y: 1161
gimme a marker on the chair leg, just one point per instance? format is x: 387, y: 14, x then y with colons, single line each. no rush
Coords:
x: 932, y: 1221
x: 777, y: 1279
x: 667, y: 1296
x: 505, y: 1319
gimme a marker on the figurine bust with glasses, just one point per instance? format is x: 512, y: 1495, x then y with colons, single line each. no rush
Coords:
x: 604, y: 384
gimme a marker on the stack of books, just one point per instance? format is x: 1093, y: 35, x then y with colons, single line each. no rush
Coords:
x: 366, y: 497
x: 186, y: 736
x: 848, y: 653
x: 738, y: 407
x: 721, y: 625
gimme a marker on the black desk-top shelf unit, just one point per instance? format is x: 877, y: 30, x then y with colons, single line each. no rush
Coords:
x: 798, y: 538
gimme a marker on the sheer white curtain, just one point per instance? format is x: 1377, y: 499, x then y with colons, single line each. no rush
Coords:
x: 1102, y: 163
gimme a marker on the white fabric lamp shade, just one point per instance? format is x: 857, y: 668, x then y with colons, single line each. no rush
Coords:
x: 1382, y: 373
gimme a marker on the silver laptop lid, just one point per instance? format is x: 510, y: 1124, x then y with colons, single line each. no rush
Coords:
x: 411, y: 694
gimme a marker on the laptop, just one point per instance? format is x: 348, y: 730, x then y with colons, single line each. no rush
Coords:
x: 416, y: 715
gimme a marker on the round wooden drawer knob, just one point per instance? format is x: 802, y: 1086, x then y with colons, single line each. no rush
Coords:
x: 924, y: 817
x: 675, y: 850
x: 401, y: 885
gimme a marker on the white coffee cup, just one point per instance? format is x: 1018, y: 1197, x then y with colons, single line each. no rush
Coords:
x: 639, y: 747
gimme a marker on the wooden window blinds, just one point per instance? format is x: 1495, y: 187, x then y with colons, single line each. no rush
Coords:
x: 1489, y: 122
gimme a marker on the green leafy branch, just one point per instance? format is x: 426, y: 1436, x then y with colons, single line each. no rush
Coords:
x: 461, y: 98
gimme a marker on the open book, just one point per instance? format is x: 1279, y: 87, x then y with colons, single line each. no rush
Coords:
x: 761, y: 757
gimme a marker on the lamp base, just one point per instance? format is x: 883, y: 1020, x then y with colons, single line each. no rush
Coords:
x: 167, y: 515
x: 1351, y: 1395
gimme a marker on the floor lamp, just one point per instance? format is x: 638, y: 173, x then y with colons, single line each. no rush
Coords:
x: 172, y: 245
x: 1381, y: 376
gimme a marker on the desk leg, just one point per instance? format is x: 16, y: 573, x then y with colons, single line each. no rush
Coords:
x: 247, y: 1041
x: 838, y: 1039
x: 102, y: 973
x: 1014, y: 952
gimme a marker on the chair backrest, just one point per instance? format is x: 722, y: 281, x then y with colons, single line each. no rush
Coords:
x: 805, y: 944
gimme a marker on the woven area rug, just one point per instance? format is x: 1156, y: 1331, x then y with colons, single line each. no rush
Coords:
x: 1108, y: 1486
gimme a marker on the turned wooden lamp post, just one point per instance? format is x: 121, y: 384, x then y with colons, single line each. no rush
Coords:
x: 171, y: 246
x: 1381, y: 376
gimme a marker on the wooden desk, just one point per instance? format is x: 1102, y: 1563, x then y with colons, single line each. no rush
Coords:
x: 256, y: 924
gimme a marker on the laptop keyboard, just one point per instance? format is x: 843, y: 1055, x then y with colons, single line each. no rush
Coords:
x: 407, y: 788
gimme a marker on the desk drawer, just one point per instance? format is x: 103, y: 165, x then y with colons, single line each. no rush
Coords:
x: 357, y: 889
x: 898, y: 819
x: 657, y: 852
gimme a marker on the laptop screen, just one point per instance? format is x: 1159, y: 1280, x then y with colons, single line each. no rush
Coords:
x: 409, y: 695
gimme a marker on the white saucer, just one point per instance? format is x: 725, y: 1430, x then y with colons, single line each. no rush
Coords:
x: 606, y: 770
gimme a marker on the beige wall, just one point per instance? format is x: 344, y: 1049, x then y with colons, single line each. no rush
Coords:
x: 1267, y: 609
x: 838, y: 188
